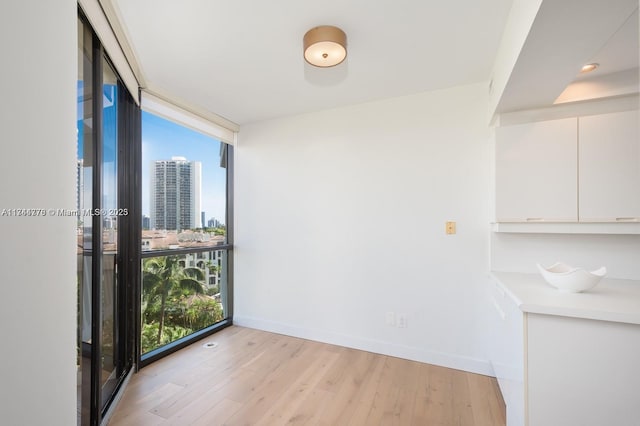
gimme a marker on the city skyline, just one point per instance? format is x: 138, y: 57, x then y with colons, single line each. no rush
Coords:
x: 162, y: 139
x: 211, y: 222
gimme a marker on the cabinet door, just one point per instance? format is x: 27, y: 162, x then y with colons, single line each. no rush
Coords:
x: 582, y: 372
x: 609, y: 153
x: 506, y: 351
x: 537, y: 172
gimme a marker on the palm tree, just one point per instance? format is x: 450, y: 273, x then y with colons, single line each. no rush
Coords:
x: 162, y: 275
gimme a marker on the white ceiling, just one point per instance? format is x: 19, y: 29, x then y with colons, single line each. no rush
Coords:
x: 618, y: 73
x: 621, y: 52
x: 565, y: 35
x: 242, y: 59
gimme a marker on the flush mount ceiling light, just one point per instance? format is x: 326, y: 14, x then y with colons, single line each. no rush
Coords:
x: 325, y: 46
x: 589, y: 68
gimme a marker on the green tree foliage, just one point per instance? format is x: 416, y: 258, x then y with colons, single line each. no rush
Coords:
x: 220, y: 230
x: 174, y: 302
x: 200, y: 311
x: 162, y: 276
x: 213, y: 290
x: 150, y: 335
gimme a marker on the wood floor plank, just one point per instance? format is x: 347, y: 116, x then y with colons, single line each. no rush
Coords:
x: 136, y: 404
x: 273, y: 367
x: 190, y: 391
x: 346, y: 398
x: 257, y: 378
x: 218, y: 414
x: 313, y: 408
x: 203, y: 403
x: 487, y: 405
x: 406, y: 381
x: 201, y: 375
x: 285, y: 409
x: 440, y: 396
x: 367, y: 396
x: 268, y: 391
x: 462, y: 412
x: 142, y: 418
x: 386, y: 394
x: 337, y: 374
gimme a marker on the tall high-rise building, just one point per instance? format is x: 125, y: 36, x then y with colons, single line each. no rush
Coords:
x: 175, y: 194
x: 214, y: 223
x: 202, y: 221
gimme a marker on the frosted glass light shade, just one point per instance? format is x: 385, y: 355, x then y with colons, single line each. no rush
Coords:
x: 325, y: 46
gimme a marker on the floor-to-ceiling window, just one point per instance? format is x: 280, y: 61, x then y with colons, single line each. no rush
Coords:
x: 184, y: 238
x: 154, y: 231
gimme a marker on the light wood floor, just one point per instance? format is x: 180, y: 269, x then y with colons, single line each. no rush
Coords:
x: 258, y: 378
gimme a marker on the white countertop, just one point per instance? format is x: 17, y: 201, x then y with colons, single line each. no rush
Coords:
x: 611, y: 300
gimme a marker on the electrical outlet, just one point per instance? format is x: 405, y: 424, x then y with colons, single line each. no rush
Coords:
x: 391, y: 319
x: 401, y: 321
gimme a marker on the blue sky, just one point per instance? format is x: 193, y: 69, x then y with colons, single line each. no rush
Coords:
x: 109, y: 152
x: 163, y: 139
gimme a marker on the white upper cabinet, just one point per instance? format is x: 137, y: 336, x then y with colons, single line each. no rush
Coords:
x: 609, y: 167
x: 537, y: 172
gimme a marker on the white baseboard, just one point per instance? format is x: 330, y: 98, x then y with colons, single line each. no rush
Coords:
x: 457, y: 362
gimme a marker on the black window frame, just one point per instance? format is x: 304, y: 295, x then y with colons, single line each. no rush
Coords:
x: 128, y: 190
x: 129, y: 240
x: 227, y: 157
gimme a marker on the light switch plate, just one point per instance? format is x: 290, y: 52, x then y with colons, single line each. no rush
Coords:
x: 450, y: 228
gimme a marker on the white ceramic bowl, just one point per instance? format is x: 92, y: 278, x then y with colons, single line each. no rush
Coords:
x: 571, y: 280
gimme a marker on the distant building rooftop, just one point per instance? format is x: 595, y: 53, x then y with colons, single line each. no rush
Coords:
x: 157, y: 240
x: 162, y: 240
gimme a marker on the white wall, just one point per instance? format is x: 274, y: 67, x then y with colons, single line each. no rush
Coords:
x: 37, y: 254
x: 340, y: 217
x: 520, y: 252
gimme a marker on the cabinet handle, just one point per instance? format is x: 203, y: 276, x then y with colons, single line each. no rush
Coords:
x: 535, y: 219
x: 626, y: 219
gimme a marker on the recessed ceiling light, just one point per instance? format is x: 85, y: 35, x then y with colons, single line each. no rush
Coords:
x: 589, y: 68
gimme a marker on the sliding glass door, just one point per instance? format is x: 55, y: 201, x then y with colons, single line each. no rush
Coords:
x: 154, y: 234
x: 111, y: 366
x: 85, y: 161
x: 106, y: 318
